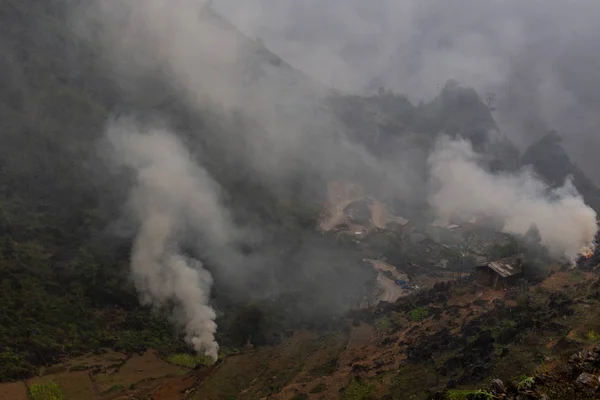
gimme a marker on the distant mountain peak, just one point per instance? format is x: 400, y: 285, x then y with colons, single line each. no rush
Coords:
x: 552, y: 163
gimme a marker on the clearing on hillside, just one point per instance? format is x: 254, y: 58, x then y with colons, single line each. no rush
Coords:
x: 147, y: 367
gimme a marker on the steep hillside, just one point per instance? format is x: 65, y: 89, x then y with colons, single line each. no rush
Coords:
x: 393, y: 127
x: 301, y: 307
x: 442, y: 343
x: 550, y: 160
x: 457, y: 340
x: 64, y: 251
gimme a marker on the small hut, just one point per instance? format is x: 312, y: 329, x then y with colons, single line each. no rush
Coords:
x: 500, y: 273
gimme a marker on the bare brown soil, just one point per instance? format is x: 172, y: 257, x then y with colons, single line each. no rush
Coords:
x: 381, y: 216
x: 110, y: 375
x: 138, y: 370
x: 173, y: 388
x: 76, y: 385
x: 561, y: 281
x: 390, y: 291
x: 340, y: 195
x: 13, y: 391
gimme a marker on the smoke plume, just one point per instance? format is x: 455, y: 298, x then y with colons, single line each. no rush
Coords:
x: 171, y: 196
x: 463, y: 189
x: 264, y: 135
x: 268, y: 125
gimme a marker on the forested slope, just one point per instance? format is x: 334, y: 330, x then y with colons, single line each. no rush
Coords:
x: 64, y: 236
x: 58, y: 295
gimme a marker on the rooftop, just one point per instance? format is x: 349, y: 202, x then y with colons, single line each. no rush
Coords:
x: 505, y: 267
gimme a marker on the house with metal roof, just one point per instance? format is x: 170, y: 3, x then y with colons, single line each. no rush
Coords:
x: 500, y: 273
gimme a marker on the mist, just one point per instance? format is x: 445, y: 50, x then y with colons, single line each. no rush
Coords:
x: 539, y: 58
x: 269, y: 122
x: 260, y: 120
x: 462, y: 189
x: 287, y: 131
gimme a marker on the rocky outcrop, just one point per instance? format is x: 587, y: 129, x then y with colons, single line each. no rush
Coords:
x: 577, y: 379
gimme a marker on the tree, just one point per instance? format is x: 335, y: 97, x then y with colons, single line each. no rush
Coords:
x: 532, y: 236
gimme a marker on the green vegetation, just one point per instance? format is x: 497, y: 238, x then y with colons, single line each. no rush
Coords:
x: 499, y: 251
x: 184, y: 360
x: 357, y: 390
x: 383, y: 324
x: 526, y: 383
x: 188, y: 360
x: 593, y: 336
x: 65, y: 287
x: 456, y: 394
x: 418, y: 314
x: 45, y: 391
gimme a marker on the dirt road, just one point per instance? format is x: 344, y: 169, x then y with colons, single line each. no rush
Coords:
x: 337, y: 215
x: 381, y: 216
x: 391, y: 291
x: 383, y: 266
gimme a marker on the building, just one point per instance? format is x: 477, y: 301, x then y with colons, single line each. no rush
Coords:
x: 500, y: 273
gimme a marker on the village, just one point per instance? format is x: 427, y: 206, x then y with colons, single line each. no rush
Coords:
x: 439, y: 250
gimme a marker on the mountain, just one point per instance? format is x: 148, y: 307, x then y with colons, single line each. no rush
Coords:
x: 550, y: 160
x: 296, y: 309
x: 64, y: 234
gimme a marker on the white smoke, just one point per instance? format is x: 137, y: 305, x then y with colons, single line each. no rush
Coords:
x: 220, y: 71
x: 171, y: 194
x: 464, y: 189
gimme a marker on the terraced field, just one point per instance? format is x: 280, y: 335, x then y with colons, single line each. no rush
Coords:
x: 107, y: 376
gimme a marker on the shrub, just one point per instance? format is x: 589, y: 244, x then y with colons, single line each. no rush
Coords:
x: 418, y: 314
x: 593, y: 336
x: 456, y: 394
x: 46, y: 391
x: 383, y: 324
x: 357, y: 390
x: 183, y: 360
x: 526, y: 383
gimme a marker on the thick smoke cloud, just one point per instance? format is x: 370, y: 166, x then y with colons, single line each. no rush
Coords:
x: 215, y: 68
x: 171, y: 197
x: 461, y: 188
x: 287, y: 135
x: 539, y: 57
